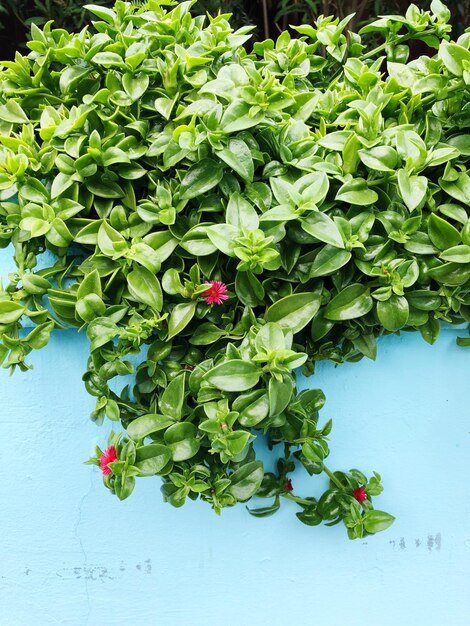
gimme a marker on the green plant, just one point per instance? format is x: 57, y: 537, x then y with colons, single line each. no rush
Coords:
x: 16, y: 17
x: 287, y: 13
x: 320, y: 185
x: 64, y: 13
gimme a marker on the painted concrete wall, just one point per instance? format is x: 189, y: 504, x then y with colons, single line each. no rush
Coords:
x: 70, y: 554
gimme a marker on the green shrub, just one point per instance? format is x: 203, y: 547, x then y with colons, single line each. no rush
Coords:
x: 323, y: 183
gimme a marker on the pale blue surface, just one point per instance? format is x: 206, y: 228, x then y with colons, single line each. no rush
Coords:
x: 73, y: 555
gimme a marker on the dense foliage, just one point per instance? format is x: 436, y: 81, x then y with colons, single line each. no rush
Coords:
x: 321, y: 185
x: 269, y: 17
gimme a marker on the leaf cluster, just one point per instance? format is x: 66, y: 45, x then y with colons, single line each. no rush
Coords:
x: 323, y: 181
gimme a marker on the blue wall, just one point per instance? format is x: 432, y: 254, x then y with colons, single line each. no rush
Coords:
x: 73, y: 555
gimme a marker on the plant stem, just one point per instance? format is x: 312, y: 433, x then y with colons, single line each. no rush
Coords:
x: 289, y: 496
x: 378, y: 181
x: 432, y: 96
x: 373, y: 52
x: 265, y: 18
x: 303, y: 501
x: 397, y: 41
x: 333, y: 478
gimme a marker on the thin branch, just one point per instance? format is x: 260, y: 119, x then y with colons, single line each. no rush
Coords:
x: 265, y: 18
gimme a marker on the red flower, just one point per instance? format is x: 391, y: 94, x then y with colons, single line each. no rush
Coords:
x: 216, y: 292
x: 107, y: 457
x: 360, y: 494
x: 289, y: 486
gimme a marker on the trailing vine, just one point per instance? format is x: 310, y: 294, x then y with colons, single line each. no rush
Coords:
x: 226, y: 219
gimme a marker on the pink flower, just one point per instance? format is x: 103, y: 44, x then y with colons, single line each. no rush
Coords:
x: 216, y: 292
x: 360, y: 494
x: 289, y: 486
x: 107, y: 457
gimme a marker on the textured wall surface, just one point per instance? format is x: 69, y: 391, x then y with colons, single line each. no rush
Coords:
x: 71, y: 554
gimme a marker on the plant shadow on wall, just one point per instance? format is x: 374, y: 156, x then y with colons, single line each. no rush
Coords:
x: 233, y: 218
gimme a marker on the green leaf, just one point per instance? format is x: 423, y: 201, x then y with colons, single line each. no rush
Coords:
x: 181, y: 439
x: 72, y: 76
x: 12, y: 112
x: 180, y: 317
x: 60, y: 184
x: 124, y: 486
x: 135, y: 86
x: 458, y: 188
x: 353, y: 301
x: 356, y: 192
x: 151, y: 459
x: 163, y: 244
x: 310, y: 516
x: 171, y: 282
x: 34, y: 284
x: 452, y: 274
x: 255, y: 412
x: 430, y: 331
x: 91, y: 284
x: 237, y: 441
x: 197, y: 243
x: 246, y: 480
x: 249, y: 289
x: 461, y: 142
x: 110, y: 241
x: 457, y: 254
x: 237, y: 117
x: 39, y: 336
x: 222, y: 236
x: 34, y: 191
x: 240, y: 213
x: 145, y: 287
x: 237, y: 155
x: 108, y: 15
x: 439, y: 9
x: 206, y: 334
x: 367, y: 345
x: 329, y: 260
x: 104, y: 189
x: 380, y: 158
x: 100, y: 331
x: 412, y: 189
x: 376, y: 521
x: 10, y: 312
x: 89, y: 307
x: 403, y: 74
x: 265, y: 511
x: 335, y: 140
x: 234, y: 375
x: 280, y: 394
x: 453, y: 56
x: 172, y: 399
x: 200, y: 178
x: 315, y: 451
x: 321, y: 226
x: 108, y: 58
x: 270, y: 338
x: 393, y: 313
x: 145, y: 255
x: 442, y: 234
x: 314, y: 187
x: 148, y: 424
x: 294, y: 312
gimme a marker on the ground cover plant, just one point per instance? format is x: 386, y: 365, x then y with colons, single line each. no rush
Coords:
x: 226, y: 219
